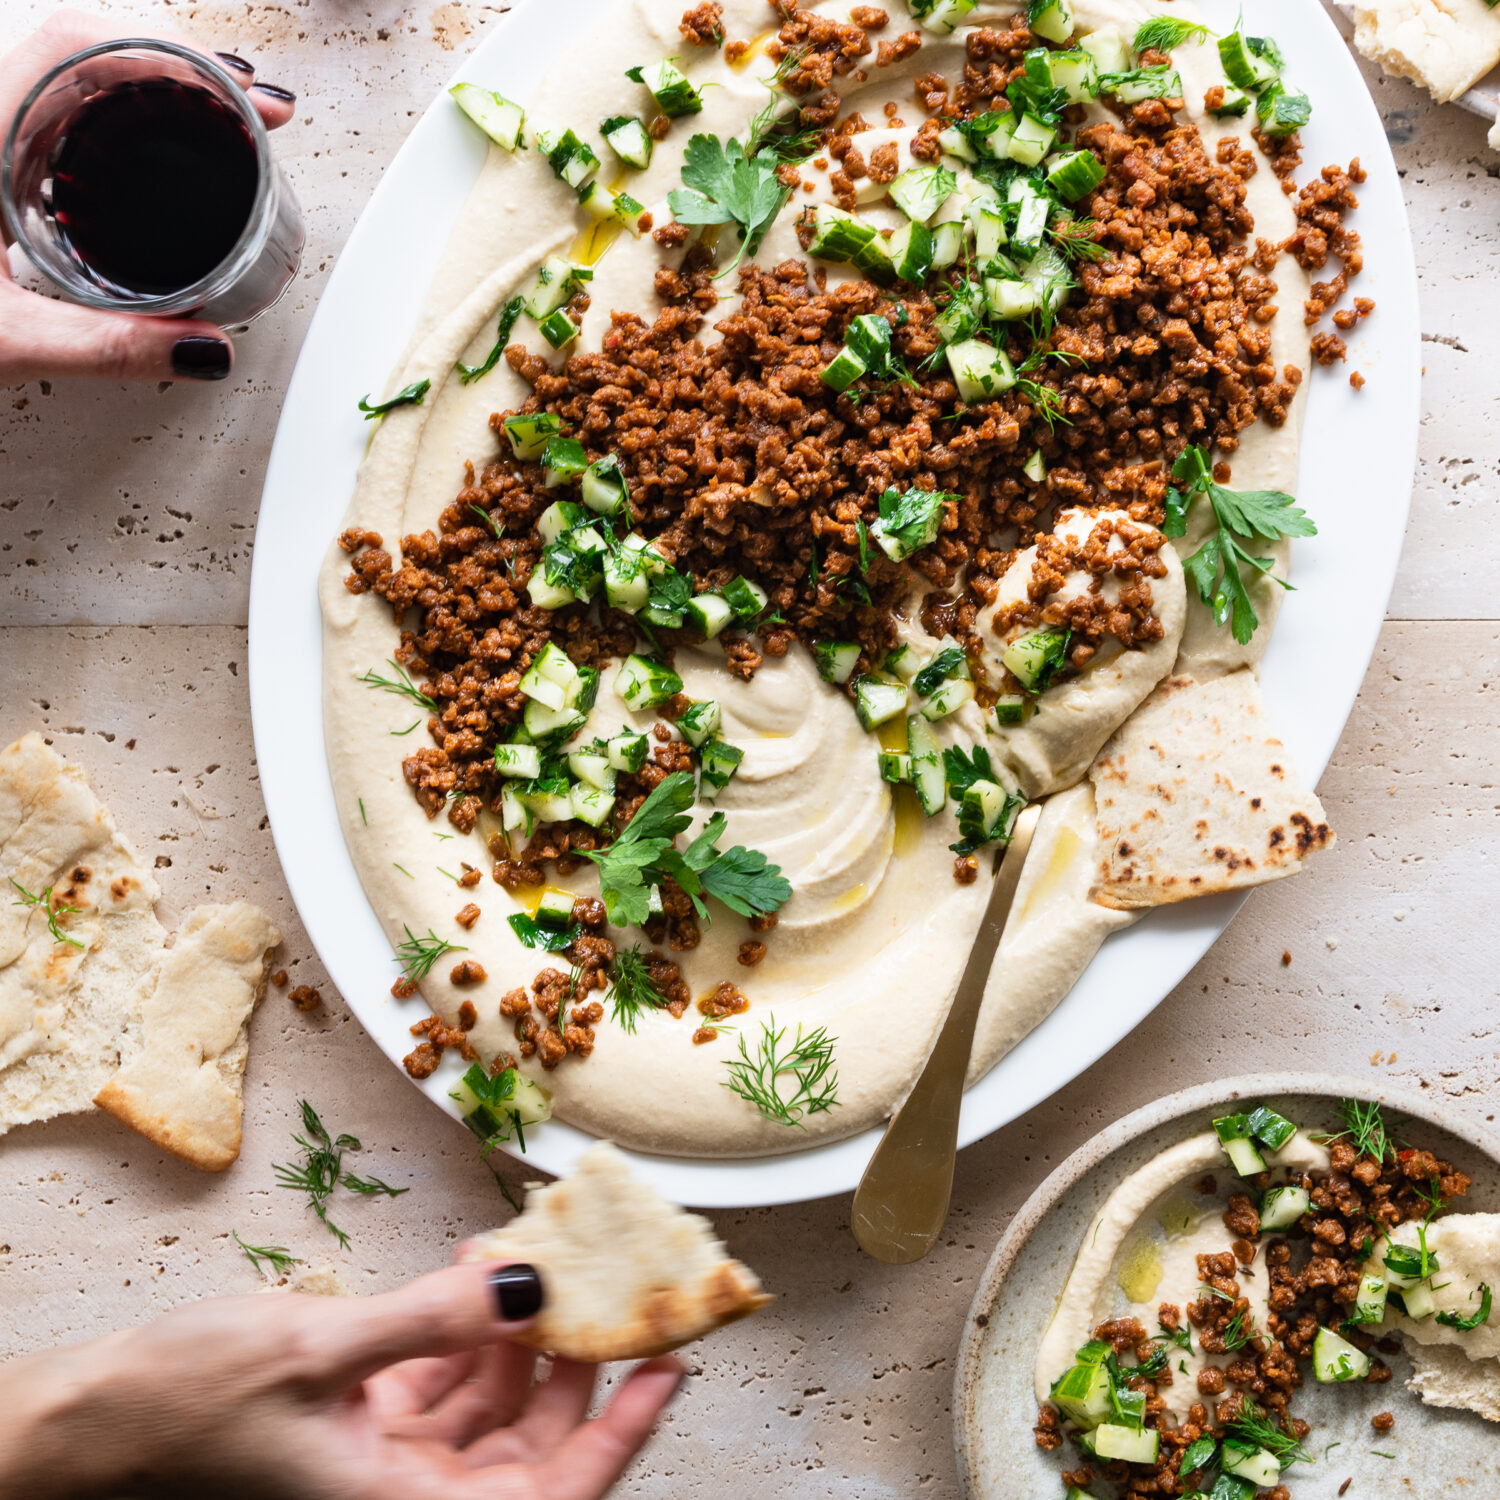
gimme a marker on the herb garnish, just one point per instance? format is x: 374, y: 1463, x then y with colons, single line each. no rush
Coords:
x: 1163, y: 33
x: 44, y: 901
x: 278, y: 1257
x: 632, y: 989
x: 645, y: 854
x: 534, y: 935
x: 410, y: 395
x: 418, y: 955
x: 723, y: 185
x: 1473, y: 1321
x: 938, y: 671
x: 508, y: 315
x: 788, y: 137
x: 321, y: 1169
x: 1364, y: 1130
x: 806, y: 1062
x: 498, y: 527
x: 1214, y: 568
x: 1032, y: 93
x: 402, y: 685
x: 1254, y: 1426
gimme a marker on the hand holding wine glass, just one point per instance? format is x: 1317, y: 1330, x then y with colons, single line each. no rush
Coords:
x: 41, y: 336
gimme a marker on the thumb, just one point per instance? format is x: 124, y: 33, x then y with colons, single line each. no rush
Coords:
x: 449, y: 1312
x: 42, y: 338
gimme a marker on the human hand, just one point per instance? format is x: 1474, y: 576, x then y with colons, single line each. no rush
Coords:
x: 40, y: 336
x: 414, y: 1395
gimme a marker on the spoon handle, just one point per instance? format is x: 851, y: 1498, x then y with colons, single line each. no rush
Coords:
x: 901, y: 1203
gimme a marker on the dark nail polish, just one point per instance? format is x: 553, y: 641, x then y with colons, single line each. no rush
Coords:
x: 285, y: 95
x: 235, y: 64
x: 199, y: 358
x: 518, y: 1292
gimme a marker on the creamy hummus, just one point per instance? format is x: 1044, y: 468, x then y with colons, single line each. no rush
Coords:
x: 876, y: 933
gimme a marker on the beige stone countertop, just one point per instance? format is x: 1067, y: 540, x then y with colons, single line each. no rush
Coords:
x: 127, y: 517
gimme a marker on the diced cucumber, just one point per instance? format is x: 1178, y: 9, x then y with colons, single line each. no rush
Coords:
x: 895, y: 765
x: 1032, y: 209
x: 980, y: 370
x: 990, y: 234
x: 1369, y: 1305
x: 626, y: 584
x: 629, y: 139
x: 997, y: 142
x: 1052, y: 19
x: 522, y: 761
x: 837, y: 660
x: 600, y: 203
x: 838, y: 236
x: 1280, y: 111
x: 571, y: 159
x: 947, y: 244
x: 1010, y: 300
x: 593, y: 767
x: 1010, y: 710
x: 1074, y: 1493
x: 1136, y: 1445
x: 1408, y: 1267
x: 1035, y: 467
x: 1272, y: 1130
x: 559, y: 518
x: 558, y: 329
x: 877, y: 701
x: 1073, y: 176
x: 1419, y: 1301
x: 1074, y: 73
x: 1282, y: 1207
x: 1245, y: 65
x: 548, y: 595
x: 709, y: 612
x: 1031, y: 140
x: 668, y: 85
x: 549, y: 676
x: 875, y: 261
x: 1108, y: 48
x: 842, y: 370
x: 748, y: 600
x: 1083, y: 1392
x: 1235, y: 102
x: 943, y: 16
x: 1048, y: 274
x: 582, y: 693
x: 1336, y: 1360
x: 961, y: 316
x: 920, y: 191
x: 699, y: 721
x: 1244, y: 1157
x: 564, y: 459
x: 644, y: 683
x: 591, y: 804
x: 984, y: 813
x: 530, y: 432
x: 1034, y: 659
x: 555, y: 909
x: 910, y: 250
x: 542, y: 723
x: 717, y: 763
x: 627, y: 751
x: 489, y: 1104
x: 556, y: 280
x: 1144, y: 83
x: 1251, y: 1462
x: 948, y: 699
x: 493, y: 113
x: 603, y: 486
x: 926, y: 765
x: 903, y: 661
x: 549, y: 802
x: 953, y: 142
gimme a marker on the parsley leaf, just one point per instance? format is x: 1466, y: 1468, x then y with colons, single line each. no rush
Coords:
x: 961, y: 772
x: 548, y: 939
x: 408, y: 395
x: 508, y: 315
x: 722, y: 186
x: 1466, y: 1325
x: 938, y: 671
x: 1215, y: 569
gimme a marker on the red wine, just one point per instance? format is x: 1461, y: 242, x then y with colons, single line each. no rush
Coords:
x: 153, y: 184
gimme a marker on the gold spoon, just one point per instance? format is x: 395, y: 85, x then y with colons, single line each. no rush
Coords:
x: 901, y: 1203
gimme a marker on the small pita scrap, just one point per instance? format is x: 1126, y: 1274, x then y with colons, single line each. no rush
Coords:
x: 1443, y: 1375
x: 183, y: 1088
x: 1447, y: 46
x: 1196, y: 796
x: 83, y: 957
x: 627, y: 1274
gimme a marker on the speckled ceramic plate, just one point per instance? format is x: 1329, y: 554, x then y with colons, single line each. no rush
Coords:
x: 1355, y: 478
x: 1434, y: 1453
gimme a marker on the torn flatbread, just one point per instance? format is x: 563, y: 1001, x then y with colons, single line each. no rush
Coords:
x: 1445, y: 45
x: 627, y: 1274
x: 1195, y: 795
x: 182, y: 1087
x: 74, y: 989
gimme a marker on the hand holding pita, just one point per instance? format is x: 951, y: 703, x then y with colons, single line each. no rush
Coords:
x: 419, y: 1394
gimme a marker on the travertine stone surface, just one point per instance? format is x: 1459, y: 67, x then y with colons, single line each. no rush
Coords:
x: 126, y: 523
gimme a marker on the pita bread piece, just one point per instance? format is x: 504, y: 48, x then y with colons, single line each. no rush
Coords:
x: 183, y: 1087
x: 627, y: 1274
x: 1195, y: 795
x: 66, y: 1001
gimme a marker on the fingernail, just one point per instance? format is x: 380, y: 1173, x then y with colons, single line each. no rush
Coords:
x: 197, y: 357
x: 285, y: 95
x: 518, y: 1292
x: 235, y: 64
